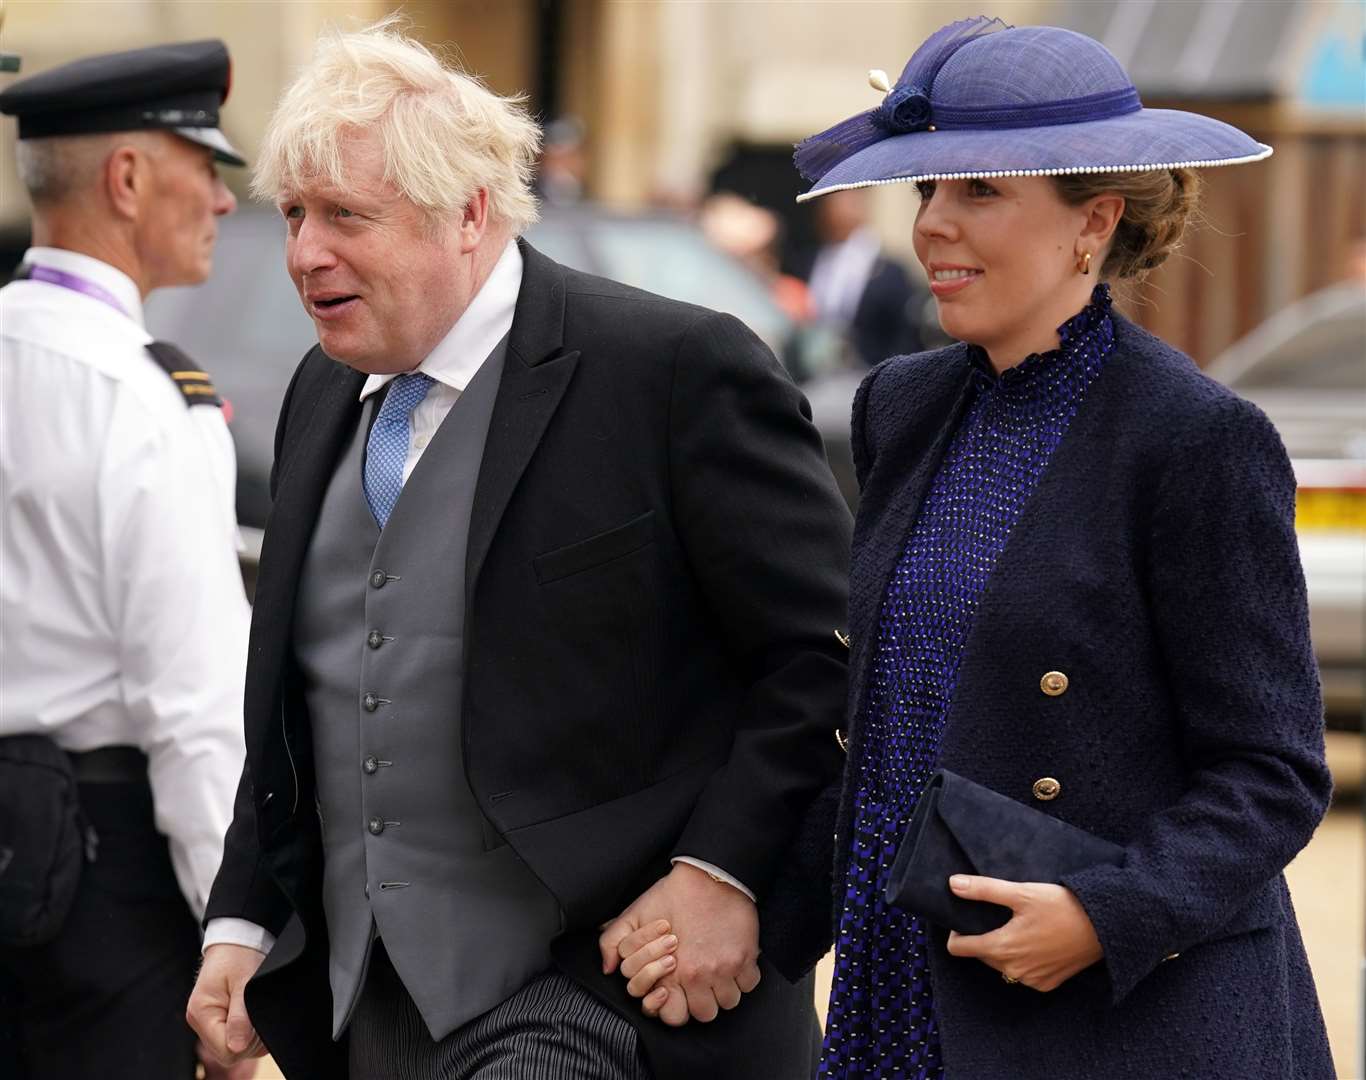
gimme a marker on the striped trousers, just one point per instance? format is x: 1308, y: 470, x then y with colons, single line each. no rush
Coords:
x: 551, y: 1029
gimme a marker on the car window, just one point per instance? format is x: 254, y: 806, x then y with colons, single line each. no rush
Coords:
x: 1317, y: 359
x: 673, y: 259
x: 560, y: 241
x: 1317, y: 343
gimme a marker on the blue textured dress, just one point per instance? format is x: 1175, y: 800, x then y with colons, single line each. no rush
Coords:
x: 881, y: 1021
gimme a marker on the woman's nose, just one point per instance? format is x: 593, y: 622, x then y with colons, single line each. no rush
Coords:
x: 936, y: 218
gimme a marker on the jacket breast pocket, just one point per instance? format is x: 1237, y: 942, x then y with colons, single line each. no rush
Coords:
x: 596, y: 550
x: 600, y: 644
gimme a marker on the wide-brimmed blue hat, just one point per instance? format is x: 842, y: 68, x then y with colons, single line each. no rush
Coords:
x: 983, y: 99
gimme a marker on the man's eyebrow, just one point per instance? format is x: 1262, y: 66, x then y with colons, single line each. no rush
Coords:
x: 333, y: 196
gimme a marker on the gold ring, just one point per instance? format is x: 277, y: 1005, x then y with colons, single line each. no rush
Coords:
x: 1009, y: 981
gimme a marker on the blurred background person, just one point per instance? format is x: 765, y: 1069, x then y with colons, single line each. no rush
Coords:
x: 563, y: 164
x: 123, y: 637
x: 856, y: 287
x: 751, y: 234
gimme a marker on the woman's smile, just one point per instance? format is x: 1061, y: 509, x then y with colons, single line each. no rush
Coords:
x: 945, y: 280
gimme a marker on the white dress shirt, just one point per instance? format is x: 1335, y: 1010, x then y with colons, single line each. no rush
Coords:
x: 456, y: 359
x: 122, y: 615
x: 458, y: 356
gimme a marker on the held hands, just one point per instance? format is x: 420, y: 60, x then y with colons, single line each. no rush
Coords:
x: 217, y: 1010
x: 689, y: 947
x: 243, y: 1070
x: 1048, y: 940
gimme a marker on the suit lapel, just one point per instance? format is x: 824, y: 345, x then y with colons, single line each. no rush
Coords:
x: 537, y: 372
x: 304, y: 478
x: 306, y: 469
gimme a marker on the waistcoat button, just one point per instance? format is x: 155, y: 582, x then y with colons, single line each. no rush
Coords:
x: 370, y: 702
x: 370, y: 765
x: 1054, y: 684
x: 1046, y: 789
x: 374, y: 639
x: 377, y: 579
x: 376, y: 826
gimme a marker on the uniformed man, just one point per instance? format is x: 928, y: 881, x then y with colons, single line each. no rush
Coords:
x: 122, y: 615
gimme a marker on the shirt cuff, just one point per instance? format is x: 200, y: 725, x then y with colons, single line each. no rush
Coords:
x: 710, y: 869
x: 222, y: 931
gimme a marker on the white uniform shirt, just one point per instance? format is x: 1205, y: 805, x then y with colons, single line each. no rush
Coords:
x: 455, y: 361
x: 122, y: 615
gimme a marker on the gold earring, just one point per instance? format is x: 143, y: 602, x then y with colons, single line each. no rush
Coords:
x: 1084, y: 262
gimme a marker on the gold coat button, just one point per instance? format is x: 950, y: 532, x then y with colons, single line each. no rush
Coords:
x: 1054, y: 684
x: 1046, y: 789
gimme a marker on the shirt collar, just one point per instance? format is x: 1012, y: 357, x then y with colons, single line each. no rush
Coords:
x: 460, y: 354
x: 100, y: 273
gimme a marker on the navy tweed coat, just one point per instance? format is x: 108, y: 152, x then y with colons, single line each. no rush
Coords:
x: 1156, y: 566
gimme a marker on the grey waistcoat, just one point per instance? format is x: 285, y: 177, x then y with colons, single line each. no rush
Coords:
x: 380, y: 640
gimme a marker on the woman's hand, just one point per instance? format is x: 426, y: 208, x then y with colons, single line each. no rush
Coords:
x: 1049, y: 939
x: 646, y: 957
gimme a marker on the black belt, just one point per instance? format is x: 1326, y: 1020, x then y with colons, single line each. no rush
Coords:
x: 109, y: 765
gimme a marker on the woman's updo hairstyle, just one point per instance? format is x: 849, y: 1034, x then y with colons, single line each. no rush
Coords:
x: 1157, y: 207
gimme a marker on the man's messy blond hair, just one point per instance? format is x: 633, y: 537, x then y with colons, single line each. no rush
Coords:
x: 443, y: 133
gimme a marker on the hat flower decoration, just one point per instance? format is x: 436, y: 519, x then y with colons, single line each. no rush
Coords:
x: 981, y: 98
x: 904, y: 109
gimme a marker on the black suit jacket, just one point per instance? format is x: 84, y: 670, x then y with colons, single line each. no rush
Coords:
x: 656, y: 568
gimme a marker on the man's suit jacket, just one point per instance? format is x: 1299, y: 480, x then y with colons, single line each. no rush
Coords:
x: 655, y: 574
x: 1155, y: 566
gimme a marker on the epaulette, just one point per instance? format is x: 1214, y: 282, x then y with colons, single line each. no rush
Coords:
x: 194, y: 384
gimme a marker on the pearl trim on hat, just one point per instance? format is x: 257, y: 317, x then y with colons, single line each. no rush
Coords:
x: 1061, y: 171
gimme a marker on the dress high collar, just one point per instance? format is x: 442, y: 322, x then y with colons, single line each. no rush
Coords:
x: 1090, y: 328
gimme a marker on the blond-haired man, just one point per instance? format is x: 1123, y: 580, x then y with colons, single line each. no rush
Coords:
x: 123, y: 623
x: 543, y: 637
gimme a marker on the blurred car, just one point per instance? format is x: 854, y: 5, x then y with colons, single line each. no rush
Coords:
x: 247, y: 327
x: 1306, y: 368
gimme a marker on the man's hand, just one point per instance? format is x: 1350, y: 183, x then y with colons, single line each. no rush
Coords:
x: 1048, y: 940
x: 716, y: 956
x: 217, y: 1010
x: 243, y: 1070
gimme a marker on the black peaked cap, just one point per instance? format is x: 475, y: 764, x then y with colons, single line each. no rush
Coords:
x: 176, y: 87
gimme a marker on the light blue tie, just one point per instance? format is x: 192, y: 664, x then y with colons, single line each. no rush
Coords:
x: 387, y: 449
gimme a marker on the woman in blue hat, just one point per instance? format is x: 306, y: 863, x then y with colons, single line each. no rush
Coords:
x: 1075, y: 581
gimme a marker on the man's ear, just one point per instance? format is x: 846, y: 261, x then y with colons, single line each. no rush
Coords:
x: 127, y: 175
x: 474, y: 221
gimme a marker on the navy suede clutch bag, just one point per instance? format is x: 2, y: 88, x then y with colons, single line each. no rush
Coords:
x: 963, y: 828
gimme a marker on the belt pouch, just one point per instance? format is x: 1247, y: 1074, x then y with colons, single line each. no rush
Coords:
x: 42, y: 839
